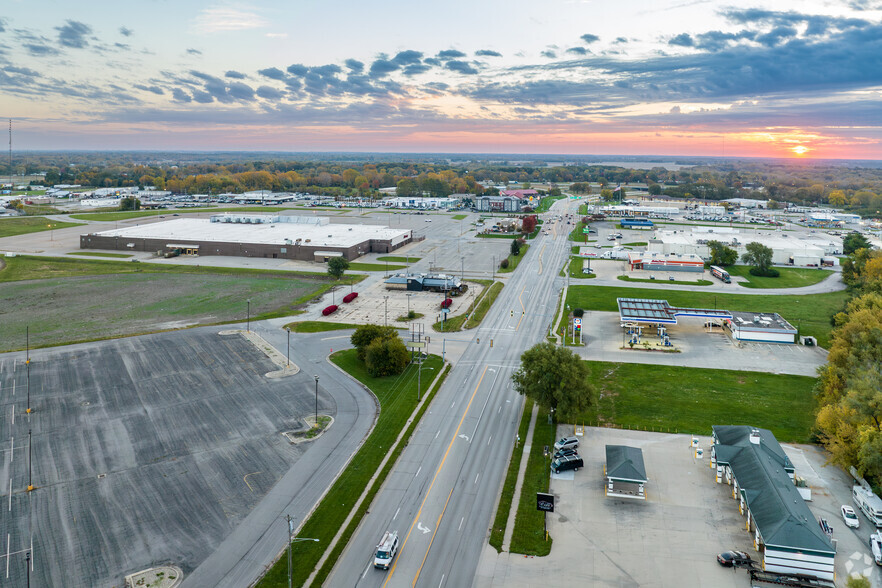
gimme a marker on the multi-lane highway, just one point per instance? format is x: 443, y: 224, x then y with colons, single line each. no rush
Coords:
x: 441, y: 494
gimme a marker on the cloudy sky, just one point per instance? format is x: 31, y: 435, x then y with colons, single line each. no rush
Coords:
x: 667, y: 77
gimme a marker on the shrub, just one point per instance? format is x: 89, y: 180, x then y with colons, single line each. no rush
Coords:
x: 329, y: 310
x: 769, y: 273
x: 578, y: 312
x: 350, y: 297
x: 385, y: 357
x: 504, y: 263
x: 366, y: 334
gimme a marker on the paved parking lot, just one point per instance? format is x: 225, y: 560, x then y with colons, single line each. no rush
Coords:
x: 672, y: 538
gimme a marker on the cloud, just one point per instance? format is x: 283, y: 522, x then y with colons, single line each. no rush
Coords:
x: 276, y: 35
x: 460, y: 67
x: 354, y: 65
x: 450, y: 54
x: 487, y: 53
x: 40, y: 50
x: 2, y: 25
x: 122, y: 46
x: 296, y: 69
x: 682, y: 40
x: 620, y: 41
x: 269, y: 93
x: 73, y: 34
x: 154, y: 89
x: 382, y: 67
x: 412, y: 70
x: 577, y: 51
x: 272, y: 73
x: 225, y: 19
x: 202, y: 97
x: 234, y: 75
x: 407, y: 57
x: 179, y: 95
x: 588, y: 38
x: 192, y: 51
x: 240, y: 91
x: 549, y: 54
x: 125, y: 32
x: 776, y: 36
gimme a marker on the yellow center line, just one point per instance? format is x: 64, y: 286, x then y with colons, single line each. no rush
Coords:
x: 432, y: 540
x: 540, y: 260
x: 523, y: 308
x: 429, y: 491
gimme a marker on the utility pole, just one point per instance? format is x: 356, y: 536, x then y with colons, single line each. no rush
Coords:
x: 28, y: 364
x: 290, y: 532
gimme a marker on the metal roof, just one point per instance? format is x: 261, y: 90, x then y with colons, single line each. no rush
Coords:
x: 645, y: 310
x: 625, y: 463
x: 761, y: 469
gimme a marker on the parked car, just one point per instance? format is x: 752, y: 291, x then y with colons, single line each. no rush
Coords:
x: 565, y: 452
x: 566, y: 442
x: 850, y: 517
x: 876, y: 547
x: 734, y: 558
x: 568, y: 462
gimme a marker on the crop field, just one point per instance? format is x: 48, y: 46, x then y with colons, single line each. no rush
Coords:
x: 69, y: 300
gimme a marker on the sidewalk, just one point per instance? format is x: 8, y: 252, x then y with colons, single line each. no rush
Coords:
x: 528, y: 443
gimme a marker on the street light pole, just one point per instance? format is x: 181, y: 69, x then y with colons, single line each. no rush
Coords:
x: 248, y: 323
x: 288, y: 353
x: 386, y: 311
x: 408, y: 302
x: 290, y: 520
x: 316, y: 400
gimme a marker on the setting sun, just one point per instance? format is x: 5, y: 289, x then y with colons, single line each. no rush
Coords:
x: 800, y: 150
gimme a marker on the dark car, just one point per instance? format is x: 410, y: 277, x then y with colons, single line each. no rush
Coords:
x: 565, y: 452
x: 734, y: 558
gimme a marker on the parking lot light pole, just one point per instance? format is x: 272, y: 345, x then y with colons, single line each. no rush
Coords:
x: 248, y: 320
x: 316, y: 400
x: 408, y: 302
x: 386, y: 311
x: 288, y: 353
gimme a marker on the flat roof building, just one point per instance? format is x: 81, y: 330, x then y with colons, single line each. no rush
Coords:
x: 247, y: 235
x: 656, y: 260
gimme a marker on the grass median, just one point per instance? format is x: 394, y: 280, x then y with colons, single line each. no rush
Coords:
x: 528, y: 535
x: 497, y: 532
x: 691, y: 400
x: 810, y: 313
x: 397, y: 396
x: 476, y: 311
x: 514, y: 260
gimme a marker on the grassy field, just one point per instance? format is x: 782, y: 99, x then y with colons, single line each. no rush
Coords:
x: 398, y: 399
x: 810, y: 313
x: 514, y: 260
x: 663, y: 281
x: 373, y: 267
x: 692, y: 400
x: 89, y: 299
x: 791, y: 277
x: 528, y: 536
x: 123, y: 215
x: 100, y: 254
x: 20, y: 225
x: 398, y: 258
x: 497, y: 533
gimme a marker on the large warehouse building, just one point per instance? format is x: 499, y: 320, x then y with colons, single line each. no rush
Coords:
x: 303, y: 238
x: 761, y: 475
x: 813, y: 249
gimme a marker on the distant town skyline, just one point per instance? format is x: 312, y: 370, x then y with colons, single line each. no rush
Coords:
x: 679, y: 77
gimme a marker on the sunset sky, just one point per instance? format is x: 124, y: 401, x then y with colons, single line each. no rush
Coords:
x: 668, y: 77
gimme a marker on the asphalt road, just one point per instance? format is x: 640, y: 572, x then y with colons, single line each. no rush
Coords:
x: 443, y: 490
x: 163, y: 448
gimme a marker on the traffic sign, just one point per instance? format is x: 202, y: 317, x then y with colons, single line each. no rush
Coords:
x: 586, y: 230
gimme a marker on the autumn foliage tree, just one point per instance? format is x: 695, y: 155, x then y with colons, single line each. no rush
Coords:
x: 528, y: 224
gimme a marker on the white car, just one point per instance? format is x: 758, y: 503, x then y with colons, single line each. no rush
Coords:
x: 876, y: 547
x: 850, y: 517
x: 567, y: 443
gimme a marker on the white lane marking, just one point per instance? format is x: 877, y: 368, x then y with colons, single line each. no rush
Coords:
x: 477, y: 476
x: 438, y: 433
x: 464, y: 437
x: 337, y: 337
x: 10, y: 493
x: 419, y: 469
x: 442, y: 580
x: 8, y: 539
x: 498, y: 410
x: 490, y: 439
x: 365, y: 571
x: 461, y: 521
x: 11, y: 449
x: 422, y: 528
x: 396, y: 513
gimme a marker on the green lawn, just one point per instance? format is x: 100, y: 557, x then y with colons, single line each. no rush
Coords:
x: 373, y: 267
x: 575, y: 268
x: 662, y: 280
x: 636, y: 244
x: 497, y: 532
x: 459, y: 216
x: 397, y: 396
x: 528, y: 535
x: 810, y: 313
x: 499, y: 235
x: 20, y: 225
x: 514, y: 260
x: 546, y: 202
x: 100, y: 254
x: 791, y: 277
x: 692, y: 400
x: 398, y: 258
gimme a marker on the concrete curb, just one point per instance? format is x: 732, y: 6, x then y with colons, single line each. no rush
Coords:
x: 287, y: 369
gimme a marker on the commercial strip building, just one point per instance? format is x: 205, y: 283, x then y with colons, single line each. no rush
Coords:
x: 426, y: 202
x: 656, y: 260
x: 306, y: 238
x: 788, y: 248
x: 761, y: 475
x: 743, y: 326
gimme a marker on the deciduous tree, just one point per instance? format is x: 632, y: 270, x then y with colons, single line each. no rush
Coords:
x: 555, y: 377
x: 721, y: 254
x: 760, y: 257
x: 337, y: 266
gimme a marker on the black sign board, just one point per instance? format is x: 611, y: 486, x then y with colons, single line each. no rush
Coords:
x: 545, y: 502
